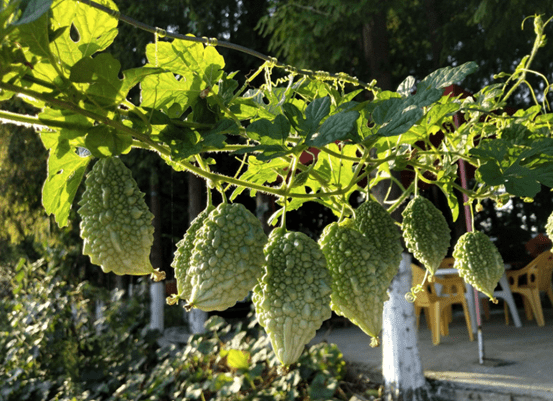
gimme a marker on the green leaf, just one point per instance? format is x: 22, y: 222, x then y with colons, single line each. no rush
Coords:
x: 440, y: 111
x: 35, y: 36
x: 314, y: 113
x: 161, y: 91
x: 395, y: 116
x: 102, y: 73
x: 322, y: 387
x: 132, y: 77
x: 238, y: 359
x: 491, y: 173
x: 65, y: 173
x: 93, y: 30
x: 446, y: 76
x: 104, y: 141
x: 204, y: 65
x: 406, y: 87
x: 249, y: 109
x: 336, y: 127
x: 260, y: 172
x: 269, y: 133
x: 33, y: 10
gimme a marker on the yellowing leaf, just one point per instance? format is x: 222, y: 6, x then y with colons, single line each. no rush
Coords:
x: 238, y: 359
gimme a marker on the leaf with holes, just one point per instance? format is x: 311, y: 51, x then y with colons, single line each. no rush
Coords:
x: 90, y: 30
x: 65, y: 173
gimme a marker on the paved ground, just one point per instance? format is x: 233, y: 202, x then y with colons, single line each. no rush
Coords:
x: 518, y: 362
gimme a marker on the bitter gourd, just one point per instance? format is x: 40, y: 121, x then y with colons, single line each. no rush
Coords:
x: 181, y: 260
x: 116, y: 224
x: 359, y: 276
x: 426, y: 233
x: 227, y: 257
x: 479, y: 262
x: 376, y: 224
x: 293, y: 296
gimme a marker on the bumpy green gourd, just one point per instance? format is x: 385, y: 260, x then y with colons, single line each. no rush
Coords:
x: 292, y: 299
x: 426, y: 233
x: 479, y: 262
x: 360, y: 276
x: 181, y: 260
x: 116, y: 224
x: 227, y: 257
x: 376, y: 224
x: 549, y: 227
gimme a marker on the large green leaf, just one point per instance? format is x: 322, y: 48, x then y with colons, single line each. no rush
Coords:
x: 88, y: 30
x: 396, y: 116
x: 446, y: 76
x: 101, y: 72
x: 189, y: 59
x: 104, y: 141
x: 337, y: 127
x: 32, y: 11
x: 269, y: 132
x: 314, y: 114
x: 35, y: 36
x: 521, y: 171
x: 162, y: 91
x: 65, y: 172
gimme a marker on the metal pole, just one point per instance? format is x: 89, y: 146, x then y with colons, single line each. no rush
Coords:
x: 468, y: 223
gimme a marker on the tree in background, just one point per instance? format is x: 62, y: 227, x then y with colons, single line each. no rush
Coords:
x: 389, y: 40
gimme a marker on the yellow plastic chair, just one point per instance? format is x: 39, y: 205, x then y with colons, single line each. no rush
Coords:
x: 448, y: 263
x: 529, y: 281
x: 436, y: 307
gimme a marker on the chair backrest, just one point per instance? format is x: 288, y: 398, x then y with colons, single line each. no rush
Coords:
x: 447, y: 263
x: 545, y: 270
x: 539, y: 271
x: 428, y: 295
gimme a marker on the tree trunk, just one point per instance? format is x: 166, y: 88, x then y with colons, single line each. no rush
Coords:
x: 434, y: 25
x: 157, y: 290
x: 401, y: 364
x: 196, y: 318
x: 376, y: 49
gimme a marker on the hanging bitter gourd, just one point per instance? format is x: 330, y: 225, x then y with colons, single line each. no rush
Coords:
x: 376, y: 224
x: 479, y: 262
x: 360, y: 276
x: 116, y: 224
x: 293, y: 296
x: 226, y: 261
x: 426, y: 233
x: 181, y: 260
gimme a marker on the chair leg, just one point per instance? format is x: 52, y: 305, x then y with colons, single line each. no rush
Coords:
x: 417, y: 315
x: 527, y: 306
x: 444, y: 321
x: 550, y: 294
x: 434, y: 312
x: 536, y: 308
x: 506, y: 310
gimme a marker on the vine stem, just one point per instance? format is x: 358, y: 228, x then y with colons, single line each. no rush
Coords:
x: 215, y: 42
x: 538, y: 42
